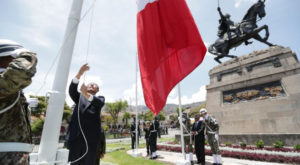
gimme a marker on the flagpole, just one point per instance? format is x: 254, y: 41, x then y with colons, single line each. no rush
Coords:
x: 48, y: 152
x: 135, y: 152
x: 180, y: 121
x: 136, y: 104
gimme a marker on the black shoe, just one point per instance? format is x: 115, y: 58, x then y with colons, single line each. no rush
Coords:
x: 155, y: 157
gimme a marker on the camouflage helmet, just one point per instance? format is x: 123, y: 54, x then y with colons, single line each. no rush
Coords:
x: 10, y: 48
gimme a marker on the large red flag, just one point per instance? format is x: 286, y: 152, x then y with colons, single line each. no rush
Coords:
x: 169, y: 47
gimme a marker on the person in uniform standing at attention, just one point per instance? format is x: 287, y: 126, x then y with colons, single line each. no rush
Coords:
x: 212, y: 132
x: 154, y: 128
x: 133, y: 134
x: 147, y: 136
x: 17, y: 67
x: 198, y: 132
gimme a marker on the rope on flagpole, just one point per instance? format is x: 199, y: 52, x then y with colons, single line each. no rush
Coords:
x: 78, y: 114
x: 60, y: 49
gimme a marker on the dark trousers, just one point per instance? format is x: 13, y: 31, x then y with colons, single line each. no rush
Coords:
x: 152, y: 142
x: 199, y: 148
x: 77, y: 148
x: 148, y: 146
x: 133, y: 141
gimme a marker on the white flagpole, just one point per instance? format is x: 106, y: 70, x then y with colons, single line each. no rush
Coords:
x: 135, y: 152
x: 50, y: 136
x: 180, y: 121
x: 136, y: 104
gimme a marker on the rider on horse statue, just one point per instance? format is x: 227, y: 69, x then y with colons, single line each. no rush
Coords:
x: 232, y: 35
x: 226, y: 26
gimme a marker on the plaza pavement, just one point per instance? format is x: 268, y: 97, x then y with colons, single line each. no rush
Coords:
x: 173, y: 157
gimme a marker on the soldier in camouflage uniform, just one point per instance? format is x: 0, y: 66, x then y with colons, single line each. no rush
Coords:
x: 188, y: 137
x: 212, y: 133
x: 17, y: 67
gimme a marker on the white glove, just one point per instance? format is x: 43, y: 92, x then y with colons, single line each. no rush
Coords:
x: 205, y: 137
x: 217, y: 136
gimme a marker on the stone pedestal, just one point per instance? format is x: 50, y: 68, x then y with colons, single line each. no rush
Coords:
x: 258, y: 93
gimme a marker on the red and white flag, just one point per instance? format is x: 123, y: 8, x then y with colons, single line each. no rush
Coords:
x: 169, y: 47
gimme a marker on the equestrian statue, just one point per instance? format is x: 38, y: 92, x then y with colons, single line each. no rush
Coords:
x: 233, y: 35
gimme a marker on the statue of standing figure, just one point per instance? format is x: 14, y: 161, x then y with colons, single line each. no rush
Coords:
x: 233, y: 35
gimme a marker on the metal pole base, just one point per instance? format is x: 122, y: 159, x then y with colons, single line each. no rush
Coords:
x: 136, y: 153
x: 183, y: 162
x: 61, y: 158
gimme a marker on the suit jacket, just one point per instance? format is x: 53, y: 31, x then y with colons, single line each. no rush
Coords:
x: 199, y: 129
x: 132, y: 129
x: 154, y: 129
x: 89, y: 113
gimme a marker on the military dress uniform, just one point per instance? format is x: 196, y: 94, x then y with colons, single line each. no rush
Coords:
x: 133, y: 134
x: 188, y: 137
x: 212, y: 129
x: 154, y: 128
x: 14, y: 112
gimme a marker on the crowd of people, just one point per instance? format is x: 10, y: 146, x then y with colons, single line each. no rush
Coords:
x: 85, y: 138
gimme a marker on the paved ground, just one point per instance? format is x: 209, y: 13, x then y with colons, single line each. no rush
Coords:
x: 172, y: 157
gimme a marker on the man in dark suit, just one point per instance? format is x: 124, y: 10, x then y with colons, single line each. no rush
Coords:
x: 88, y: 106
x: 198, y: 132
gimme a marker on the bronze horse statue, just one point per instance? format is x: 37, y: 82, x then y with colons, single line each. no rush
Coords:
x: 246, y: 30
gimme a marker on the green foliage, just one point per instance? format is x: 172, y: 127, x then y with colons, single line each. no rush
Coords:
x: 174, y: 118
x: 278, y: 144
x: 126, y: 117
x: 206, y: 142
x: 297, y: 147
x: 67, y: 115
x: 37, y: 126
x: 108, y: 120
x: 115, y: 108
x: 260, y: 144
x: 243, y: 144
x: 148, y: 116
x: 104, y: 126
x: 161, y: 116
x: 228, y: 144
x: 177, y: 110
x: 196, y: 110
x: 41, y: 107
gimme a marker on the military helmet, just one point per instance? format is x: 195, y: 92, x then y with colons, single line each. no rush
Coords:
x: 203, y: 110
x: 10, y: 48
x: 227, y: 15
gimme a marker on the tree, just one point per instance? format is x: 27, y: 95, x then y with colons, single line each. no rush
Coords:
x: 42, y: 107
x: 177, y: 110
x: 37, y: 127
x: 161, y: 116
x: 148, y: 116
x: 108, y: 120
x: 67, y: 113
x: 115, y: 108
x: 126, y: 116
x: 196, y: 110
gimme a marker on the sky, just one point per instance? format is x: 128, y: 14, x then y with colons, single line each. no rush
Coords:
x: 39, y: 25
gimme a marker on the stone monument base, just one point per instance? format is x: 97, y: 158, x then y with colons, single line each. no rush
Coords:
x: 257, y: 96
